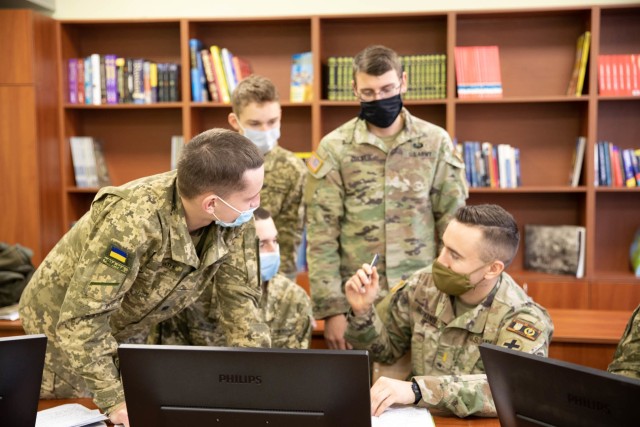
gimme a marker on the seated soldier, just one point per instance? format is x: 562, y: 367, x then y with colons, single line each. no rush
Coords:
x: 443, y: 312
x: 626, y: 360
x: 286, y: 307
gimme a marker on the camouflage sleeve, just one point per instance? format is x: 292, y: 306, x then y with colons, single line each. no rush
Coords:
x: 626, y: 360
x: 386, y: 331
x: 289, y: 222
x: 96, y: 289
x: 449, y: 189
x: 238, y: 292
x: 324, y: 195
x: 527, y: 329
x: 288, y: 313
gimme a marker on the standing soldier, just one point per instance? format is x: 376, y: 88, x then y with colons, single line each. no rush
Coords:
x: 143, y: 252
x: 385, y: 182
x: 256, y: 115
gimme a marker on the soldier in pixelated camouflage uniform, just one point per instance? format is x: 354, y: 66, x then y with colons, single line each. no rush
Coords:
x: 626, y: 360
x: 385, y: 182
x: 442, y: 314
x: 257, y: 114
x: 286, y: 307
x: 143, y: 252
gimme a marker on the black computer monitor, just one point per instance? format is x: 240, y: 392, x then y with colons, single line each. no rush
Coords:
x: 194, y: 386
x: 530, y: 390
x: 21, y: 365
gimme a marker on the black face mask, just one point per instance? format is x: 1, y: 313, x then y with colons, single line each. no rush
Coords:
x: 382, y: 112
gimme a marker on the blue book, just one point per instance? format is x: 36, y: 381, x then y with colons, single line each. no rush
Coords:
x: 195, y: 46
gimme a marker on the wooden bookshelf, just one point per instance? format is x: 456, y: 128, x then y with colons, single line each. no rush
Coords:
x: 30, y: 190
x: 537, y: 51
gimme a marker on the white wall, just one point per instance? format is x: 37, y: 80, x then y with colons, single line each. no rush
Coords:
x: 137, y: 9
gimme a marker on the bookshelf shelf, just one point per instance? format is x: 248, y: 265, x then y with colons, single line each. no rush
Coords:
x: 537, y: 53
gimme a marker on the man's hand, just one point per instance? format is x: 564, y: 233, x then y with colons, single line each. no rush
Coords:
x: 120, y: 415
x: 334, y: 329
x: 387, y: 391
x: 362, y: 289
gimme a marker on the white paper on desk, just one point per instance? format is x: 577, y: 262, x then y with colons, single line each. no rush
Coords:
x: 70, y: 415
x: 405, y: 416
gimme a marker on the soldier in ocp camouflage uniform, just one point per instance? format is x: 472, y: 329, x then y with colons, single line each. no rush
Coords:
x: 444, y: 312
x: 385, y: 182
x: 285, y: 305
x: 256, y: 115
x: 143, y: 252
x: 626, y: 360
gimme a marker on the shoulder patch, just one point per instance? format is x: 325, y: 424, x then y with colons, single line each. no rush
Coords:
x: 116, y: 258
x: 398, y: 286
x: 314, y: 162
x: 524, y: 329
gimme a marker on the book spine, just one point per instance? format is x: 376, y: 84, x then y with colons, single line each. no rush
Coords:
x: 72, y: 80
x: 223, y: 89
x: 80, y: 83
x: 96, y: 94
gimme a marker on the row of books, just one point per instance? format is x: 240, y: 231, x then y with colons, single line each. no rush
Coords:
x: 426, y: 77
x: 616, y: 167
x: 619, y: 75
x: 109, y: 79
x: 89, y: 164
x: 215, y: 72
x: 478, y: 72
x: 489, y: 165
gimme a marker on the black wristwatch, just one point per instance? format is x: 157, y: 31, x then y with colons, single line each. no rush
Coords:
x: 416, y: 390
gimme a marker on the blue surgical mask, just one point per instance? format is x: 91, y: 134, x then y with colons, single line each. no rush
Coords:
x: 269, y: 265
x: 265, y: 140
x: 242, y: 218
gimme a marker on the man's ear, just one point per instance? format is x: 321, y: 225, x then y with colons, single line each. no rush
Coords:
x: 208, y: 203
x: 404, y: 84
x: 233, y: 121
x: 495, y: 269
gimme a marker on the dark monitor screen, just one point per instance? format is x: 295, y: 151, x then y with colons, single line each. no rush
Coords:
x: 21, y: 365
x: 531, y: 390
x: 193, y: 386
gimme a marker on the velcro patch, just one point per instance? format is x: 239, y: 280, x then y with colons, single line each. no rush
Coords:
x: 524, y: 329
x: 314, y: 162
x: 116, y: 265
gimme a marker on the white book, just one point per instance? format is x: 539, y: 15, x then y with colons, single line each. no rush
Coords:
x: 96, y: 93
x: 77, y: 157
x: 90, y: 161
x: 405, y: 416
x: 578, y: 159
x: 177, y: 142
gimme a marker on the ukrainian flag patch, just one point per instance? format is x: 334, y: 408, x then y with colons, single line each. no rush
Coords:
x: 118, y: 254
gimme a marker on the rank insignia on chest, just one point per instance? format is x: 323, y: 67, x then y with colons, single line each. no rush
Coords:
x: 524, y: 329
x: 314, y: 162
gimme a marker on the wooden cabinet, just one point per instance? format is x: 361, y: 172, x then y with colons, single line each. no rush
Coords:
x: 29, y: 166
x: 537, y: 51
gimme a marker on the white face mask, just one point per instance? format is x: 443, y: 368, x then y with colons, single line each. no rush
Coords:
x: 265, y: 140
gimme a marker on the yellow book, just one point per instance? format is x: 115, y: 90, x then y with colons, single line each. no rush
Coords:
x: 586, y: 43
x: 216, y: 58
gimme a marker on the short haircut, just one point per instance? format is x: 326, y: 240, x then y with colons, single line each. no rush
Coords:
x: 261, y: 213
x: 254, y: 88
x: 499, y: 230
x: 216, y: 161
x: 376, y: 60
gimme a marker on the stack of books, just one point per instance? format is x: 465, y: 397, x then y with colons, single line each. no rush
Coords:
x: 489, y: 165
x: 616, y: 167
x: 618, y: 75
x: 580, y: 66
x: 215, y: 72
x: 89, y: 164
x: 478, y: 72
x: 109, y: 79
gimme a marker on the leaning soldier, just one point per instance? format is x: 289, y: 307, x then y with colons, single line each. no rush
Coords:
x: 143, y: 252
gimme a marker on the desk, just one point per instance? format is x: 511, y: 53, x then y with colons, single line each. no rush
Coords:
x: 439, y: 421
x: 10, y: 328
x: 585, y: 337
